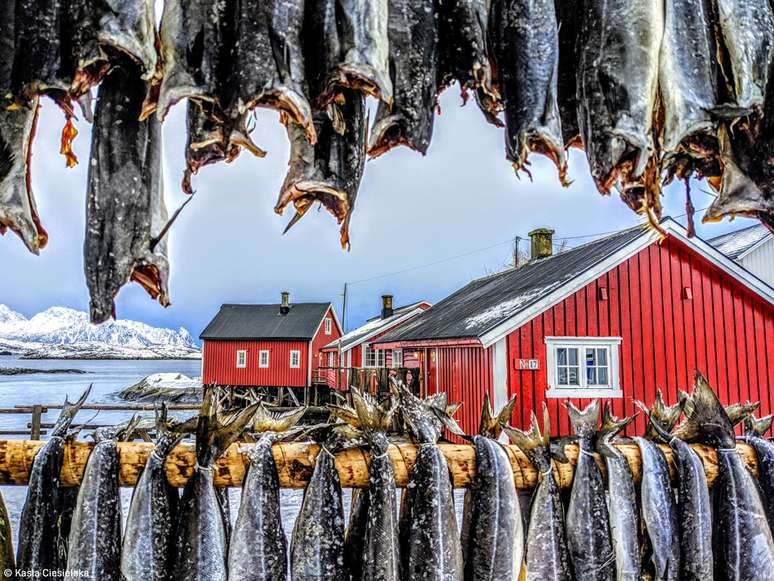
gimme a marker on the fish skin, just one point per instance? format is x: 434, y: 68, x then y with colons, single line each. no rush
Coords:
x: 568, y: 21
x: 526, y: 50
x: 587, y: 519
x: 414, y: 45
x: 195, y: 50
x: 202, y: 535
x: 7, y: 560
x: 548, y: 557
x: 659, y: 511
x: 258, y: 547
x: 147, y: 552
x: 764, y: 451
x: 18, y: 210
x: 354, y: 536
x: 125, y: 209
x: 616, y: 107
x: 95, y: 534
x: 434, y: 547
x: 268, y: 67
x: 742, y: 541
x: 687, y: 74
x: 747, y: 29
x: 330, y: 171
x: 41, y: 543
x: 495, y: 537
x: 317, y: 544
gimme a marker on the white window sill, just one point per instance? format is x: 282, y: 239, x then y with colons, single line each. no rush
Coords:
x: 585, y: 392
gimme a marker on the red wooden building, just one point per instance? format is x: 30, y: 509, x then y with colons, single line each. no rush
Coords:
x: 354, y: 351
x: 615, y: 318
x: 275, y: 345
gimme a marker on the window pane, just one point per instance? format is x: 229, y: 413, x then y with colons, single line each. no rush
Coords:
x: 572, y: 374
x: 602, y: 356
x: 591, y: 375
x: 590, y: 357
x: 562, y: 376
x: 603, y: 376
x: 561, y: 355
x: 573, y: 354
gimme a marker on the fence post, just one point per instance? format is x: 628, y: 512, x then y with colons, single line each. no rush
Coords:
x: 37, y: 412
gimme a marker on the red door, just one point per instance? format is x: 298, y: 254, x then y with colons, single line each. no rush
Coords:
x: 431, y: 356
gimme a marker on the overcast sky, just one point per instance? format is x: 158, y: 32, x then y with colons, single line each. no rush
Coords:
x: 461, y: 200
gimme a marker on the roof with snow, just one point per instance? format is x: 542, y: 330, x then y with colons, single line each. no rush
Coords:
x: 372, y: 327
x: 737, y: 243
x: 256, y: 322
x: 486, y: 302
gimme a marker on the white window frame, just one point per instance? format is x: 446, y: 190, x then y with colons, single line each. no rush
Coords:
x: 261, y: 363
x: 378, y: 358
x: 397, y: 356
x: 297, y: 354
x: 328, y: 325
x: 241, y: 354
x: 331, y: 359
x: 611, y: 390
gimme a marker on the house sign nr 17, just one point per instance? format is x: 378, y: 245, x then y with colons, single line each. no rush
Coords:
x: 530, y: 364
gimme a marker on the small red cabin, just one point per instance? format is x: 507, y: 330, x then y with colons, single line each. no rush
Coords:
x: 616, y: 318
x: 354, y: 353
x: 276, y: 345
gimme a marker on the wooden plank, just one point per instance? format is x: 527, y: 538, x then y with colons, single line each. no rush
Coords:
x: 295, y: 463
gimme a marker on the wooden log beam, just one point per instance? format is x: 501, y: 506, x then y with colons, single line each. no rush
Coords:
x: 295, y: 462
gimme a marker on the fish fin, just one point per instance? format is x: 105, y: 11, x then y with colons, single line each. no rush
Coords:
x: 740, y: 411
x: 69, y: 410
x: 757, y: 427
x: 269, y: 420
x: 611, y: 425
x: 706, y: 420
x: 491, y: 423
x: 584, y: 422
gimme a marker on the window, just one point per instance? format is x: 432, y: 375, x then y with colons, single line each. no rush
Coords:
x: 583, y: 366
x: 331, y: 359
x: 241, y: 361
x: 263, y: 358
x: 373, y: 357
x: 327, y: 325
x: 397, y: 357
x: 295, y: 359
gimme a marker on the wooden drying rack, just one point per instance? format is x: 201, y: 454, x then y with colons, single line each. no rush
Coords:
x: 295, y: 462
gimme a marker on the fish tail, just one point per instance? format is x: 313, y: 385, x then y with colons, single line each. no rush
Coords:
x: 532, y: 442
x: 167, y: 438
x: 268, y: 420
x: 741, y: 411
x: 705, y: 418
x: 757, y: 427
x: 69, y: 410
x: 611, y: 425
x: 491, y: 422
x: 584, y: 422
x: 659, y: 413
x: 217, y: 430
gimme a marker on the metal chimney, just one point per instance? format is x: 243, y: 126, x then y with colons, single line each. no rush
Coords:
x: 542, y: 243
x: 386, y: 306
x: 285, y: 304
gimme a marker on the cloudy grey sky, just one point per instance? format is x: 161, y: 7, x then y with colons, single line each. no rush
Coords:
x: 461, y: 199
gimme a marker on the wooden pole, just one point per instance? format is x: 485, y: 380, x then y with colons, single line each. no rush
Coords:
x: 295, y: 462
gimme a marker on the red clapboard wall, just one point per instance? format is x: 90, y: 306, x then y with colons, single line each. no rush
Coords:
x: 220, y: 363
x: 718, y: 326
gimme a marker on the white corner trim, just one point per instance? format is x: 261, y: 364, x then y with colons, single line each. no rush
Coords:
x: 500, y: 374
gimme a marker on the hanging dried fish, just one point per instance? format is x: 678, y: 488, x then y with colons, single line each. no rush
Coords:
x: 414, y: 64
x: 195, y: 49
x: 526, y: 50
x: 125, y: 213
x: 688, y: 86
x: 568, y: 22
x: 330, y: 171
x: 617, y: 86
x: 268, y: 62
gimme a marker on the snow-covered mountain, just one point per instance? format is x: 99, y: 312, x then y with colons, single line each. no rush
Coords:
x: 62, y: 333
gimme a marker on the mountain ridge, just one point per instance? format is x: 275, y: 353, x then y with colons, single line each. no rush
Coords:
x: 65, y: 333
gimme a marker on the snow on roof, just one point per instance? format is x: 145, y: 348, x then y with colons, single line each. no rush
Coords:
x: 735, y: 244
x: 371, y: 327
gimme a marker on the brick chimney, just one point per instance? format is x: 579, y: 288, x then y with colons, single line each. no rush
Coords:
x: 386, y: 306
x: 542, y: 243
x: 285, y: 304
